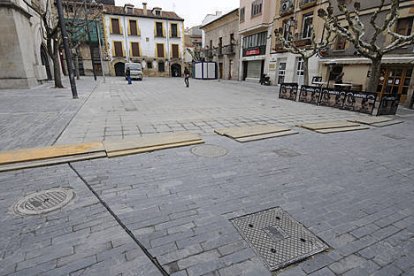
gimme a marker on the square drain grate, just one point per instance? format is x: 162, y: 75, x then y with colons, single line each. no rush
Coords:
x: 277, y: 238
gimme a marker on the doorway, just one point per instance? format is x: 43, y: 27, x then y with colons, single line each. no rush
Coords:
x: 395, y: 81
x: 220, y: 70
x: 119, y: 69
x: 176, y: 70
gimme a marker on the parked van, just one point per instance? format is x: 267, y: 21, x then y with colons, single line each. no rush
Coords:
x: 135, y: 70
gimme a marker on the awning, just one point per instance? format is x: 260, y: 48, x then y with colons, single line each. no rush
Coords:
x: 361, y: 60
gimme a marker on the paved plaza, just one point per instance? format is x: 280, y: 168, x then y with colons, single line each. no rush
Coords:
x: 169, y: 212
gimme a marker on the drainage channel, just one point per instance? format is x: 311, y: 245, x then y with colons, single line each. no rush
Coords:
x: 152, y: 258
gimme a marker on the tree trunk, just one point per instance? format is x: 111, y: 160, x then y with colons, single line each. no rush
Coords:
x: 56, y: 65
x: 375, y: 74
x: 305, y: 71
x: 77, y: 65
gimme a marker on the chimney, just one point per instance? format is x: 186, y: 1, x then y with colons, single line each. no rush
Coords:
x: 144, y: 7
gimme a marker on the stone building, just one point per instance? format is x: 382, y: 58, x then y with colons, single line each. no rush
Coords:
x: 223, y: 44
x: 285, y: 66
x: 24, y: 61
x: 154, y: 38
x: 397, y: 67
x: 256, y: 28
x: 192, y: 44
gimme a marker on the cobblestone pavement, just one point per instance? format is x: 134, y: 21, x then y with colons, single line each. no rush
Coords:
x: 354, y: 190
x: 36, y: 117
x: 117, y: 110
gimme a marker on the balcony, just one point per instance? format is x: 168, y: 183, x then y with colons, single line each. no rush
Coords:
x: 304, y: 4
x: 302, y: 42
x: 229, y: 49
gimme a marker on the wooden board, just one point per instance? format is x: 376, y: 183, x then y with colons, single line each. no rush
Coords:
x: 266, y: 136
x: 240, y: 132
x: 371, y: 120
x: 340, y: 129
x: 150, y: 141
x: 388, y: 123
x: 51, y: 161
x: 33, y: 154
x: 153, y: 148
x: 329, y: 125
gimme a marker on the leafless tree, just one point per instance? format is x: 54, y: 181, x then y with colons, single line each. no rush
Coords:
x: 291, y: 44
x: 367, y: 40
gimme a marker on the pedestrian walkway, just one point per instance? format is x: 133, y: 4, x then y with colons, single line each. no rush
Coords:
x: 172, y: 211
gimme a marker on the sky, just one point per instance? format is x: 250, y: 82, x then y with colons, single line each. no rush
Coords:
x: 193, y: 11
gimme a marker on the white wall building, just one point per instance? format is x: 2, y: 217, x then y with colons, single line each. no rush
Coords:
x: 207, y: 19
x: 155, y: 38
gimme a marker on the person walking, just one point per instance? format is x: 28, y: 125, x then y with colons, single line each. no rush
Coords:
x: 187, y: 77
x: 128, y: 75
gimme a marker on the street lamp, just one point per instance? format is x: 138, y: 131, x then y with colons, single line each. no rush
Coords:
x: 67, y: 51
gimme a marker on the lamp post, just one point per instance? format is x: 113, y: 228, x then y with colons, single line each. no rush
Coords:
x: 67, y: 51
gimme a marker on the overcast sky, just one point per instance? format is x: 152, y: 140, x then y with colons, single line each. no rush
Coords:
x: 193, y: 11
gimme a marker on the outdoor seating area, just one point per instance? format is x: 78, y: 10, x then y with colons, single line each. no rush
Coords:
x: 341, y: 96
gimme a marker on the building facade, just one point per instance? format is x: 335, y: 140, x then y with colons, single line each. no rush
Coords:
x: 207, y: 19
x: 223, y: 44
x: 285, y: 66
x: 255, y: 30
x: 24, y: 61
x: 397, y: 70
x: 154, y: 38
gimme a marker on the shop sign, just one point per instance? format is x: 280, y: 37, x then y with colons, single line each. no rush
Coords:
x: 253, y: 52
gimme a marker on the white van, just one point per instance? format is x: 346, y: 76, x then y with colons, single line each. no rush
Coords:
x: 135, y: 70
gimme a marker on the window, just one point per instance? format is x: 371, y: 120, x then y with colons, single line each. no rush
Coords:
x: 299, y: 68
x: 340, y: 43
x: 174, y: 30
x: 286, y: 29
x: 257, y: 7
x: 307, y: 26
x: 159, y: 31
x: 335, y: 71
x: 281, y: 73
x: 405, y: 26
x: 115, y: 26
x: 232, y: 40
x: 160, y: 50
x: 118, y: 51
x: 135, y: 49
x: 242, y: 12
x: 149, y: 64
x: 133, y: 27
x: 175, y: 51
x: 161, y: 66
x: 158, y: 13
x: 255, y: 40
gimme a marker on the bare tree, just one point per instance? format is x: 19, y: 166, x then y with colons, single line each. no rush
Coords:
x: 291, y: 44
x: 368, y: 41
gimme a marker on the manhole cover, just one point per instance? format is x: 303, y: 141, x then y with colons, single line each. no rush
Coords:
x: 209, y: 151
x: 277, y: 238
x: 287, y: 153
x: 44, y: 201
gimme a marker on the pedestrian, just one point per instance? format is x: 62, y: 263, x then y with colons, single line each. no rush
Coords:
x: 128, y: 75
x: 186, y: 77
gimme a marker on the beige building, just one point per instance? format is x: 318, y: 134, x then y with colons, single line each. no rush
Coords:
x: 223, y: 44
x: 303, y: 14
x: 24, y: 62
x: 397, y: 67
x: 255, y: 30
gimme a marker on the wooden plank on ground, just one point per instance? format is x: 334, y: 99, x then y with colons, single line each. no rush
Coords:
x: 150, y: 141
x: 33, y: 154
x: 340, y: 129
x: 153, y: 148
x: 329, y: 125
x: 371, y: 120
x: 266, y: 136
x: 51, y: 161
x: 388, y: 123
x: 240, y: 132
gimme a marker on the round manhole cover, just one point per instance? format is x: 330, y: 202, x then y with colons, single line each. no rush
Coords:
x: 43, y: 201
x: 209, y: 151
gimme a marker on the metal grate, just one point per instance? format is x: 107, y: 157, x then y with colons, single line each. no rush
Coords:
x: 43, y: 201
x: 277, y: 238
x: 209, y: 151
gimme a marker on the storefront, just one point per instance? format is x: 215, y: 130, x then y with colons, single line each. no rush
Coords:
x: 253, y: 56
